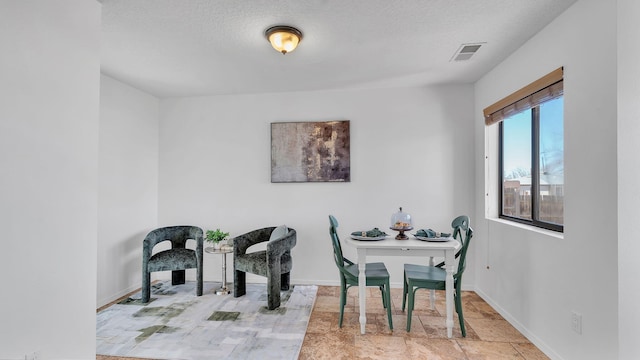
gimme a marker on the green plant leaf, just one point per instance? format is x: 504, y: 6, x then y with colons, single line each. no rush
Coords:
x: 216, y: 236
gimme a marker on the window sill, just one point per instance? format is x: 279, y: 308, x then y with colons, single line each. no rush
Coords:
x: 555, y: 234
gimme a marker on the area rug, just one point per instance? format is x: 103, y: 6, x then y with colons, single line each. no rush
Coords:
x: 176, y: 324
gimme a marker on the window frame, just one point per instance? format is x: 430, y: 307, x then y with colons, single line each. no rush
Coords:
x: 533, y: 95
x: 535, y: 175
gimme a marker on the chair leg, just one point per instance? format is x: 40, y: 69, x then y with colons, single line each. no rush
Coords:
x: 273, y: 291
x: 412, y: 294
x: 177, y: 277
x: 146, y: 287
x: 404, y: 291
x: 458, y: 302
x: 343, y: 300
x: 284, y: 282
x: 387, y: 297
x: 239, y: 283
x: 384, y: 299
x: 199, y: 280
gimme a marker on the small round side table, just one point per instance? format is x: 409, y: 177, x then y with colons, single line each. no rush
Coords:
x: 221, y: 251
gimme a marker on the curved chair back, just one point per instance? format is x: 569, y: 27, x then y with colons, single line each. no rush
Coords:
x: 462, y: 263
x: 460, y: 227
x: 460, y: 224
x: 177, y: 235
x: 337, y: 248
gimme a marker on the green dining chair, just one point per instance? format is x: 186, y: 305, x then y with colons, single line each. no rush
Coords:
x: 434, y: 278
x: 376, y: 274
x: 459, y: 225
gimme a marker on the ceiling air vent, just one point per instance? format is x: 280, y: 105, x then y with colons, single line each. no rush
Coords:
x: 466, y: 51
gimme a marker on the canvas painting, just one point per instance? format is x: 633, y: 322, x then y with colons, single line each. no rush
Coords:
x: 310, y: 152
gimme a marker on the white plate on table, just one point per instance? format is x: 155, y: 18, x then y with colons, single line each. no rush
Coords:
x: 366, y: 238
x: 434, y: 239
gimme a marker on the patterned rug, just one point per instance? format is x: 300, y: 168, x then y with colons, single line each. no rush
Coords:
x: 176, y: 324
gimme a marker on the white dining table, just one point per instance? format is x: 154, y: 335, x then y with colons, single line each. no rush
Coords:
x: 410, y: 247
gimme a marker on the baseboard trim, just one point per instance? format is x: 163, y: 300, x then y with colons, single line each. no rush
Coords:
x: 519, y: 326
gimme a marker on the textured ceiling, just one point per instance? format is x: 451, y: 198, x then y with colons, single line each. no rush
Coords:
x: 174, y: 48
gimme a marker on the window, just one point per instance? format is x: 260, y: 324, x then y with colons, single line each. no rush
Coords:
x: 531, y: 153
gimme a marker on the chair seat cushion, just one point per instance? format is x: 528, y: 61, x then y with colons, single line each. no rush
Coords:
x: 372, y: 270
x: 256, y: 263
x: 173, y: 259
x: 425, y: 274
x: 414, y: 267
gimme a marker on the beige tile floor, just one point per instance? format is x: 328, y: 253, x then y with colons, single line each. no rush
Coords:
x: 489, y: 336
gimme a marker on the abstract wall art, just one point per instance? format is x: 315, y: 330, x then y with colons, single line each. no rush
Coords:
x: 310, y: 152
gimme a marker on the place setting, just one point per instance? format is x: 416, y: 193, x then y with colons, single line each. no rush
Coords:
x: 369, y: 235
x: 431, y: 235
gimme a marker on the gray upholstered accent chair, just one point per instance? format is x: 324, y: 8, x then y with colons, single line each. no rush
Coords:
x: 274, y: 263
x: 176, y: 259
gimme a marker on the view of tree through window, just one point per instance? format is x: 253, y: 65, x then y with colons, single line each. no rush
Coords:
x: 532, y: 165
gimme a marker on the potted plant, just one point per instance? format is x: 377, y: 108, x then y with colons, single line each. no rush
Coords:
x: 215, y: 237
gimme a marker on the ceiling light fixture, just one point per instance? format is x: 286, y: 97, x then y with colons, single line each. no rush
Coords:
x: 283, y: 38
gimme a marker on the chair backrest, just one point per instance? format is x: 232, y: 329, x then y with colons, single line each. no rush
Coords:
x: 462, y: 263
x: 460, y: 226
x: 337, y: 249
x: 177, y: 235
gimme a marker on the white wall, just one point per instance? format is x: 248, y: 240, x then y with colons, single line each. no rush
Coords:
x: 628, y: 176
x: 49, y: 93
x: 410, y: 147
x: 127, y: 185
x: 537, y: 280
